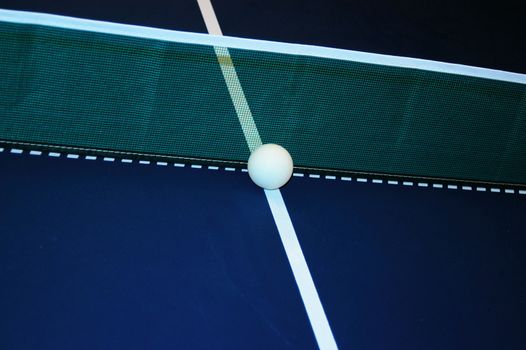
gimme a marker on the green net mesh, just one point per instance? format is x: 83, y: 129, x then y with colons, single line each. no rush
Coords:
x: 89, y: 90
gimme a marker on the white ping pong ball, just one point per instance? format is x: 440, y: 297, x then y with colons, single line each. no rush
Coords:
x: 270, y: 166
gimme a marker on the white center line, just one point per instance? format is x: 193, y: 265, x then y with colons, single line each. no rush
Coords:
x: 300, y: 270
x: 231, y: 79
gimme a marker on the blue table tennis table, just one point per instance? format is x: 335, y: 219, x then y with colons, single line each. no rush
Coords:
x: 105, y: 252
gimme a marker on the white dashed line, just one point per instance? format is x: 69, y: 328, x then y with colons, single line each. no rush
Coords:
x: 314, y: 176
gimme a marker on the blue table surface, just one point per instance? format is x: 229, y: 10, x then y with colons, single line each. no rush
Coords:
x: 109, y: 255
x: 104, y: 255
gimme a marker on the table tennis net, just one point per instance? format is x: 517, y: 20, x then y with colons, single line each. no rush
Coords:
x: 129, y: 95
